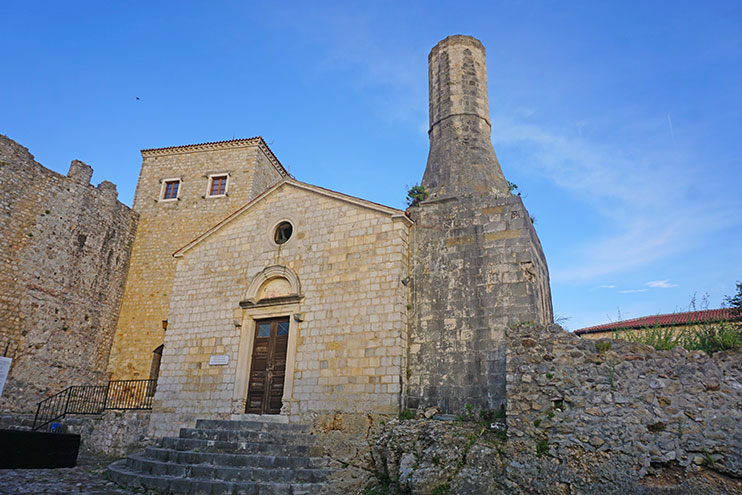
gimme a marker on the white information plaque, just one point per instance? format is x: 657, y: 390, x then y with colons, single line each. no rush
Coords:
x: 219, y: 360
x: 4, y: 369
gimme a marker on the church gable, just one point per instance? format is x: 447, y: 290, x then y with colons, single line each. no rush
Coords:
x: 329, y: 284
x: 322, y: 196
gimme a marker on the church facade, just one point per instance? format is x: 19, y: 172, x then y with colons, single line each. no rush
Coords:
x: 250, y: 292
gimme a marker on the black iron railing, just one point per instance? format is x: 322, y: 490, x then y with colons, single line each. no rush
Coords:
x: 94, y: 399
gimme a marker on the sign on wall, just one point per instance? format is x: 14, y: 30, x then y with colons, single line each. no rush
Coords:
x: 219, y: 360
x: 4, y: 369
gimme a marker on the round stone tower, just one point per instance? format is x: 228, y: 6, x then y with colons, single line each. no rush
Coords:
x: 461, y: 159
x: 477, y: 263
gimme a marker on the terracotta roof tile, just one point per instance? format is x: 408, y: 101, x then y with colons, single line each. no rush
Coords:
x: 666, y: 320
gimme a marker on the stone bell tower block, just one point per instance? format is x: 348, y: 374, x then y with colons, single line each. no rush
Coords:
x: 461, y: 159
x: 477, y: 263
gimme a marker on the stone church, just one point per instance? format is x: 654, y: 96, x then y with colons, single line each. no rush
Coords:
x: 251, y: 292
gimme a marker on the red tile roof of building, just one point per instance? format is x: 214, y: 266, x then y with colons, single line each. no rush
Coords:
x: 667, y: 320
x: 220, y: 144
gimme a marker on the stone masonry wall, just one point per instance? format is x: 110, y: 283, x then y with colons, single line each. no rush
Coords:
x: 166, y: 226
x: 112, y: 434
x: 350, y: 345
x: 621, y: 398
x: 478, y: 267
x: 64, y: 248
x: 583, y: 417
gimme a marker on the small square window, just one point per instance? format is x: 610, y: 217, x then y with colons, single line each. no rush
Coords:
x: 170, y: 191
x: 218, y: 185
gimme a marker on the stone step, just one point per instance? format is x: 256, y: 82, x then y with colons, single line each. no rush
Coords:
x: 235, y: 460
x: 224, y: 424
x: 122, y: 475
x: 142, y: 464
x: 288, y: 438
x: 201, y: 445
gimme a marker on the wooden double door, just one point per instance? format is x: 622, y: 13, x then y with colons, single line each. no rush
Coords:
x: 268, y: 368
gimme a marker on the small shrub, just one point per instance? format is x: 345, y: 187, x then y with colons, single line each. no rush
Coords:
x: 443, y: 489
x: 500, y: 412
x: 537, y: 423
x: 602, y: 346
x: 542, y: 448
x: 724, y: 336
x: 657, y: 427
x: 710, y: 338
x: 416, y: 194
x: 611, y: 376
x: 380, y: 486
x: 549, y: 376
x: 405, y: 414
x: 486, y: 415
x: 662, y: 339
x: 708, y: 458
x: 512, y: 186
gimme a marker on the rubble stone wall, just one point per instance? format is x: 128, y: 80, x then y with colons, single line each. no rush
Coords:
x: 64, y: 250
x: 583, y: 416
x: 621, y: 397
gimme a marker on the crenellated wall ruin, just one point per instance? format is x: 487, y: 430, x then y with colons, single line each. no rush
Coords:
x: 64, y: 252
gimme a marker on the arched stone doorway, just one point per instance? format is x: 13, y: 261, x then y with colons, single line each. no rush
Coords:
x: 271, y: 307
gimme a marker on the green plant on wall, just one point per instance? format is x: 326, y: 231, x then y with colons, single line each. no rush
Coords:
x: 416, y: 194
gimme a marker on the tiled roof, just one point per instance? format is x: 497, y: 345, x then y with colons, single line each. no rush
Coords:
x: 213, y: 145
x: 667, y: 320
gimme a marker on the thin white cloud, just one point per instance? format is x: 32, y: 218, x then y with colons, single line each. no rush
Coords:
x: 655, y: 202
x: 660, y: 284
x: 605, y: 287
x: 632, y: 291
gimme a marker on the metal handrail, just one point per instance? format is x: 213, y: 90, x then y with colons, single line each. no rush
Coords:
x: 94, y: 399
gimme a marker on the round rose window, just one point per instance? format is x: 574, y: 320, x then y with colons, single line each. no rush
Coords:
x: 283, y: 232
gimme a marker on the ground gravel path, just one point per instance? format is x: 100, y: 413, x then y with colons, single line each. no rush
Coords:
x: 89, y: 477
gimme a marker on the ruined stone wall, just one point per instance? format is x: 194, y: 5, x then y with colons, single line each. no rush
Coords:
x: 583, y: 417
x: 348, y: 349
x: 624, y: 398
x: 166, y: 226
x: 65, y: 251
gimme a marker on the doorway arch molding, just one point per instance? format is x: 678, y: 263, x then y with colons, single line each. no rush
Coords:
x: 269, y: 273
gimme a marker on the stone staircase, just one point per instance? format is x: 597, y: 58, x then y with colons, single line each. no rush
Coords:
x: 232, y: 458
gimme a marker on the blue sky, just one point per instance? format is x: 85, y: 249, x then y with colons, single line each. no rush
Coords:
x: 620, y: 121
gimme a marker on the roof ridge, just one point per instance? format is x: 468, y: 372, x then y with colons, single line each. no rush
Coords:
x: 357, y: 198
x: 664, y: 319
